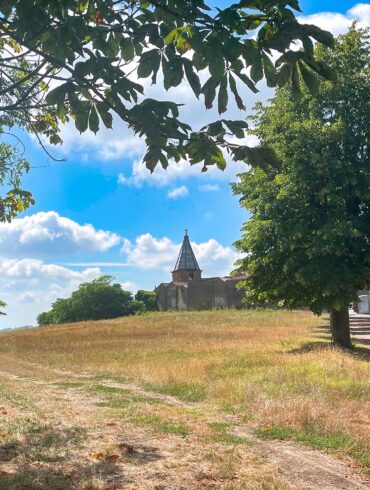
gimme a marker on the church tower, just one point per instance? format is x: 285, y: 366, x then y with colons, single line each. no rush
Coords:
x: 186, y: 267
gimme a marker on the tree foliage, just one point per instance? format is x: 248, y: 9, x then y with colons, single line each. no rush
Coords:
x: 85, y: 59
x: 307, y: 240
x: 12, y: 167
x: 149, y: 299
x: 99, y: 299
x: 2, y: 305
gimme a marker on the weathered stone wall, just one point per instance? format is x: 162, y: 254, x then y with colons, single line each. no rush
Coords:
x: 200, y: 294
x: 234, y: 296
x: 161, y: 292
x: 172, y: 296
x: 182, y: 298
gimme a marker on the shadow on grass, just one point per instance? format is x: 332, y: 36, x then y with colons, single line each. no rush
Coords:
x: 42, y: 459
x: 139, y: 453
x: 323, y: 343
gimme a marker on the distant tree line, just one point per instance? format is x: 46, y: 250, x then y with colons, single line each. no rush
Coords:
x: 99, y: 299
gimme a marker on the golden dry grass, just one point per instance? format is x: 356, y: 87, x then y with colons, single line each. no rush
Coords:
x: 273, y: 371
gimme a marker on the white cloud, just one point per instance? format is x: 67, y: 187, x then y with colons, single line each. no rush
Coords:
x: 361, y: 11
x: 106, y: 145
x: 178, y: 192
x: 29, y: 286
x: 338, y: 23
x: 148, y: 252
x: 94, y: 264
x: 209, y: 188
x: 182, y: 171
x: 129, y: 286
x: 48, y: 233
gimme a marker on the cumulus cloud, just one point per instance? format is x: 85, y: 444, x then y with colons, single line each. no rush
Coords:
x: 48, y: 233
x: 181, y: 171
x: 338, y: 23
x: 29, y: 286
x: 107, y: 144
x: 178, y: 192
x: 148, y: 252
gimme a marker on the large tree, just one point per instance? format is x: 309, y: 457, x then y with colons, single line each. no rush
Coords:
x: 307, y: 242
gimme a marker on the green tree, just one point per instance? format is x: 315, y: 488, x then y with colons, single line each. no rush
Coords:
x: 136, y: 307
x: 149, y: 298
x: 96, y: 300
x: 2, y: 305
x: 306, y: 242
x: 100, y: 299
x: 78, y: 59
x: 12, y: 167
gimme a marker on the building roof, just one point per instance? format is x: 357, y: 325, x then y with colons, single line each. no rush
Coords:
x: 186, y: 260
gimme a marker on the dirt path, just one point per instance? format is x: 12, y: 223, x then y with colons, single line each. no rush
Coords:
x: 117, y: 454
x: 312, y: 469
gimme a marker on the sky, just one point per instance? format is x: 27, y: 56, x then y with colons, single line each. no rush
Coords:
x: 101, y: 212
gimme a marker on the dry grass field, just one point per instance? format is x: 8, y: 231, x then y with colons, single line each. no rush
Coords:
x: 222, y: 400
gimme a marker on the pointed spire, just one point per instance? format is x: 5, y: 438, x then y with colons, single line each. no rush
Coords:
x: 186, y: 259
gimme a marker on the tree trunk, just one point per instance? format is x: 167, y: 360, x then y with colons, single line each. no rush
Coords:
x: 339, y: 325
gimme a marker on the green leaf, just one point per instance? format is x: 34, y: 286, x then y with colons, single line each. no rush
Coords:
x: 172, y: 36
x: 310, y: 79
x: 127, y: 49
x: 324, y: 37
x: 233, y: 88
x: 149, y: 63
x: 257, y: 70
x: 248, y: 82
x: 296, y: 86
x: 105, y: 115
x: 192, y: 78
x: 172, y: 73
x: 223, y: 96
x: 216, y: 66
x: 57, y: 95
x: 93, y: 120
x: 209, y: 91
x: 219, y: 159
x: 199, y: 61
x: 284, y: 75
x: 270, y: 72
x: 237, y: 127
x: 82, y: 116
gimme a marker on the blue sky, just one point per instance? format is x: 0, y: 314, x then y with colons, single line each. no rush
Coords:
x: 100, y: 211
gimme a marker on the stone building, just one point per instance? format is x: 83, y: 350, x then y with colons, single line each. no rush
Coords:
x: 189, y: 291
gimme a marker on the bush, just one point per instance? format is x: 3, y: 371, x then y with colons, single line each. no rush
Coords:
x: 149, y: 298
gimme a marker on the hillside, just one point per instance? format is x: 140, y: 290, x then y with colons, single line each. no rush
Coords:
x: 221, y: 400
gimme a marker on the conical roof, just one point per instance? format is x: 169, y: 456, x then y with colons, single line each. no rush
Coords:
x: 186, y: 259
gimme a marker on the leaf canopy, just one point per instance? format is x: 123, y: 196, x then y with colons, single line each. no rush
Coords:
x: 88, y: 60
x: 306, y: 243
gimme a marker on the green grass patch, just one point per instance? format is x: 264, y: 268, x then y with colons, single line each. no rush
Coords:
x: 188, y: 392
x: 160, y: 426
x: 221, y: 434
x: 130, y: 407
x: 14, y: 399
x: 120, y: 398
x: 338, y: 443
